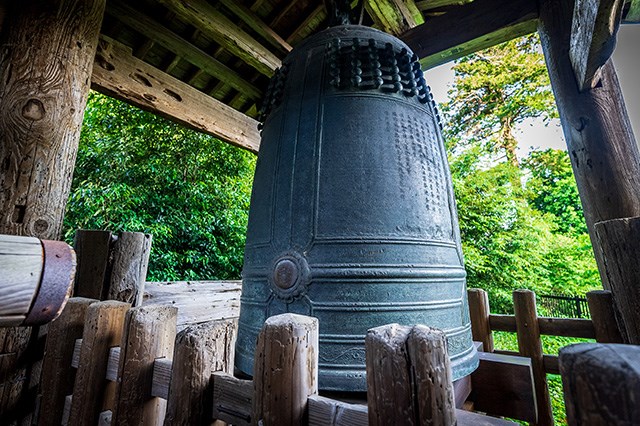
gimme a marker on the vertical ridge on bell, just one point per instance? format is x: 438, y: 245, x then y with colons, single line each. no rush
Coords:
x: 352, y: 216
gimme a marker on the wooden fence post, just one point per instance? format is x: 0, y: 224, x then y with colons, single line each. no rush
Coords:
x: 57, y: 374
x: 619, y: 242
x: 479, y: 312
x: 149, y: 333
x: 601, y: 383
x: 603, y: 316
x: 529, y: 345
x: 199, y: 351
x: 285, y: 369
x: 92, y: 393
x: 408, y: 376
x: 92, y: 248
x: 129, y: 270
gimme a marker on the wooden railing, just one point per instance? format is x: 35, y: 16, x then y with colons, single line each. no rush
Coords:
x: 108, y: 363
x: 529, y: 327
x: 564, y: 306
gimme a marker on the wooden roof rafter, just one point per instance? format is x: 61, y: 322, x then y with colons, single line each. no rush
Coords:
x: 228, y: 49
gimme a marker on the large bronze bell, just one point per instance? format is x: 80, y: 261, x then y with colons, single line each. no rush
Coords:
x: 352, y: 217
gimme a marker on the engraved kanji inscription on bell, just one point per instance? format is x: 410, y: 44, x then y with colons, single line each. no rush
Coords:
x: 352, y: 215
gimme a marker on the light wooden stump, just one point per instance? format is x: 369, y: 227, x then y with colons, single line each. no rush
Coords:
x: 149, y: 333
x: 530, y: 346
x: 479, y: 312
x: 57, y: 374
x: 408, y: 376
x: 129, y: 269
x: 92, y: 392
x: 285, y: 369
x: 601, y: 384
x: 200, y: 350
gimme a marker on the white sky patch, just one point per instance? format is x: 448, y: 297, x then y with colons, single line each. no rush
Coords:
x: 533, y: 134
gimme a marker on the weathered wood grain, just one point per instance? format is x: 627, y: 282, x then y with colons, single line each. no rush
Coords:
x: 257, y: 24
x: 118, y: 74
x: 221, y: 29
x: 458, y: 30
x: 530, y: 346
x: 161, y: 380
x: 149, y: 333
x: 593, y: 38
x: 45, y: 64
x: 603, y: 315
x: 601, y: 383
x: 46, y: 50
x: 181, y: 47
x: 21, y: 262
x: 394, y: 16
x: 232, y: 399
x: 285, y: 369
x: 408, y: 376
x: 129, y: 268
x: 603, y: 150
x: 58, y: 376
x: 200, y: 351
x: 197, y: 301
x: 92, y: 393
x: 619, y: 242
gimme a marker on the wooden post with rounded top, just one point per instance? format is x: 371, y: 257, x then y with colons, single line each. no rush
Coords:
x: 530, y: 346
x: 285, y: 370
x: 409, y: 376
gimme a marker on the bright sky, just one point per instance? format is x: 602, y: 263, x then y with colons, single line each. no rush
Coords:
x: 533, y: 133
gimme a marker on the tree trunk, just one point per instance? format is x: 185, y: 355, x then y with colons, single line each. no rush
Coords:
x: 46, y: 55
x: 600, y: 141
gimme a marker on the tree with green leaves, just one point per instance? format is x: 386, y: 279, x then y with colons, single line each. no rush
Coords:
x: 520, y: 219
x: 496, y: 89
x: 138, y: 172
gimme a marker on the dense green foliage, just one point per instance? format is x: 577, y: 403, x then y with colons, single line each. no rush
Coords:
x: 138, y: 172
x: 521, y: 219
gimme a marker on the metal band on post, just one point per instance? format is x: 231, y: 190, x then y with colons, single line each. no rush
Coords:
x: 58, y: 272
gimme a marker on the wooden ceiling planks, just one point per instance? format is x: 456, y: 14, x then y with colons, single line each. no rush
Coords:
x: 227, y: 49
x: 459, y: 30
x: 181, y: 47
x: 225, y: 32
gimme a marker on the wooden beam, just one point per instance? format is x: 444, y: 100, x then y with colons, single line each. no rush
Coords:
x: 257, y: 24
x: 463, y: 29
x: 593, y: 38
x: 312, y: 20
x: 600, y: 141
x: 394, y: 16
x: 213, y: 23
x: 117, y: 73
x: 181, y: 47
x: 428, y: 5
x: 620, y: 245
x: 198, y: 301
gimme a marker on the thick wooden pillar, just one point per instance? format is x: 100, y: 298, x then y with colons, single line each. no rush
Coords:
x: 46, y: 56
x: 600, y: 141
